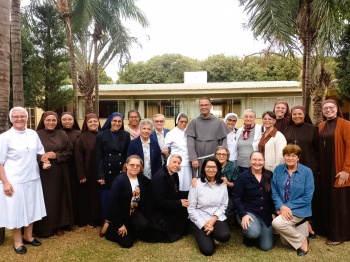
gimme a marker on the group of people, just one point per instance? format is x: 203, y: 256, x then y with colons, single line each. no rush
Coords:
x: 147, y: 182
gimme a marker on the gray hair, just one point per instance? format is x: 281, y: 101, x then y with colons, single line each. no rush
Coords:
x: 18, y: 108
x: 223, y: 148
x: 147, y: 122
x: 249, y: 110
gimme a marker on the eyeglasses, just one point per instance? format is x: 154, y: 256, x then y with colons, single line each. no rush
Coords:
x: 134, y: 165
x: 19, y: 117
x: 211, y: 167
x: 231, y: 120
x: 328, y: 107
x: 221, y: 154
x: 158, y: 121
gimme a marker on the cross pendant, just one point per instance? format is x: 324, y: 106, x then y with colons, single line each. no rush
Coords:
x: 324, y: 143
x: 295, y: 142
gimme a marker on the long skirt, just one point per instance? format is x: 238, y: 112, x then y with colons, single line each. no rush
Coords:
x: 24, y: 207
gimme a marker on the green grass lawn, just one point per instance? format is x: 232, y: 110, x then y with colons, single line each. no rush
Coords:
x: 85, y: 245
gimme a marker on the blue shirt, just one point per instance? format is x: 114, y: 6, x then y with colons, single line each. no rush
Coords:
x: 301, y: 189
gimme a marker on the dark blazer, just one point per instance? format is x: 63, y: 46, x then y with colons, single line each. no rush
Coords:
x: 111, y: 154
x: 249, y: 195
x: 154, y: 134
x: 135, y: 148
x: 164, y: 202
x: 120, y: 199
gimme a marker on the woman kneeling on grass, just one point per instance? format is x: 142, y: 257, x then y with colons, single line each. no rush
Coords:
x: 292, y: 189
x: 208, y: 202
x: 126, y: 221
x: 252, y: 199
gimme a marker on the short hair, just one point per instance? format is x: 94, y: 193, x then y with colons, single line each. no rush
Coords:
x: 225, y: 148
x: 269, y: 113
x: 147, y: 122
x: 18, y: 108
x: 158, y: 115
x: 218, y: 175
x: 134, y: 111
x: 292, y: 149
x: 172, y: 156
x: 205, y: 98
x: 128, y: 160
x: 249, y: 110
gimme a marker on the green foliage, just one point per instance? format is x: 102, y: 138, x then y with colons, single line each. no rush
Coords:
x: 104, y: 79
x: 170, y: 68
x: 342, y: 71
x: 45, y: 59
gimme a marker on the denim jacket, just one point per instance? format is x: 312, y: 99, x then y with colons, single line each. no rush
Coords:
x: 301, y: 189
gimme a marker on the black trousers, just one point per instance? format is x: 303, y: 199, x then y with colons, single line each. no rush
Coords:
x: 137, y: 226
x: 206, y: 243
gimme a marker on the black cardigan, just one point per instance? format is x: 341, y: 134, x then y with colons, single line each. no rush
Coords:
x: 120, y: 199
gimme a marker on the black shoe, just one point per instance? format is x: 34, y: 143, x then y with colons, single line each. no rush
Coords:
x: 248, y: 242
x: 301, y: 252
x: 312, y: 236
x: 21, y: 250
x: 34, y: 242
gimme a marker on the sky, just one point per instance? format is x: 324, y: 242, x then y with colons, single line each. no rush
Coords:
x: 193, y: 28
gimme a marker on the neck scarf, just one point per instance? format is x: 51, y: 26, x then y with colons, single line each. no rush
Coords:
x: 246, y: 131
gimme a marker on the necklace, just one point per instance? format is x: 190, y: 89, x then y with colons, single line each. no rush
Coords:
x: 297, y: 136
x: 326, y: 129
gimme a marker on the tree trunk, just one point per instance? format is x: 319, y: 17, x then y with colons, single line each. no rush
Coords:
x: 308, y: 36
x: 89, y: 107
x: 96, y: 74
x: 65, y: 11
x: 4, y: 64
x: 16, y: 54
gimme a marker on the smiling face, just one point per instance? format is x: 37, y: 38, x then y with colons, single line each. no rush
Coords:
x: 92, y: 124
x: 330, y: 111
x: 67, y: 121
x: 182, y: 124
x: 146, y: 131
x: 257, y: 161
x: 133, y: 167
x: 231, y: 122
x: 116, y: 123
x: 174, y: 164
x: 50, y: 122
x: 134, y: 120
x: 159, y: 123
x: 291, y: 160
x: 249, y: 118
x: 298, y: 116
x: 204, y: 107
x: 19, y: 120
x: 268, y: 121
x: 211, y: 170
x: 280, y: 110
x: 222, y: 156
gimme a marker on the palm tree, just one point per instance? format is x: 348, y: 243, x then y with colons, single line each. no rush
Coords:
x: 297, y: 26
x: 4, y: 63
x: 16, y: 54
x: 64, y: 7
x: 110, y: 37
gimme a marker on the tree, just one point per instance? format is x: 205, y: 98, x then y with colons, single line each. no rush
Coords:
x: 168, y: 68
x: 342, y: 71
x: 4, y: 63
x: 65, y: 9
x: 291, y: 24
x: 45, y: 58
x: 16, y: 54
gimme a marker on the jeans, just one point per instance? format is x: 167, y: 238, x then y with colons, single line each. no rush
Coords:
x: 258, y: 230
